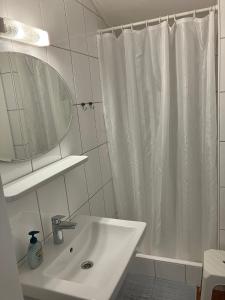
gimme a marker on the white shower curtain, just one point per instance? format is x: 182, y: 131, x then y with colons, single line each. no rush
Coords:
x: 160, y: 111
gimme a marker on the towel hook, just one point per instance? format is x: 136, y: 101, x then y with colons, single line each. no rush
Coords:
x: 83, y: 105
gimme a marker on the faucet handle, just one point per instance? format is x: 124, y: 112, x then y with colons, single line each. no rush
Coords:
x: 57, y: 219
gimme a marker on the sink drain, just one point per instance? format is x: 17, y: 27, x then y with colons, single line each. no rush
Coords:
x: 87, y: 264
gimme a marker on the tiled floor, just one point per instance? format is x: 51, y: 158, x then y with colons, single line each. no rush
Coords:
x: 138, y: 287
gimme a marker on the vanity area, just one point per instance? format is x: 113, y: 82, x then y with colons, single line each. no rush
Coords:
x: 89, y: 260
x: 90, y: 264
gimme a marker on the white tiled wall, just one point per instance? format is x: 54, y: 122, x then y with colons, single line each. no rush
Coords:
x: 87, y: 189
x: 221, y: 147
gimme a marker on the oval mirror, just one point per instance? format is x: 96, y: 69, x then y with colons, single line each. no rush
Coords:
x: 35, y: 107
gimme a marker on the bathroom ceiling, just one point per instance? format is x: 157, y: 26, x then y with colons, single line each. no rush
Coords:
x: 117, y: 12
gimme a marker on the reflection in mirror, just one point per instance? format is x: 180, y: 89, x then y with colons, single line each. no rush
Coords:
x: 35, y: 107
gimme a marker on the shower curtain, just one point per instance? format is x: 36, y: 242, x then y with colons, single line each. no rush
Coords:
x: 160, y: 110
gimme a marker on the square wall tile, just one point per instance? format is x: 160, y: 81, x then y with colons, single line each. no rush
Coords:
x: 100, y: 123
x: 76, y: 188
x: 109, y: 198
x: 54, y: 20
x: 61, y: 60
x: 87, y: 128
x: 47, y: 158
x: 25, y: 11
x: 71, y: 144
x: 222, y: 164
x: 105, y: 163
x: 97, y: 206
x: 222, y: 116
x: 170, y: 271
x: 24, y: 216
x: 12, y: 171
x: 76, y: 26
x: 91, y: 22
x: 95, y: 80
x: 93, y: 172
x: 222, y: 208
x: 194, y: 275
x: 82, y: 77
x: 222, y: 69
x: 52, y: 201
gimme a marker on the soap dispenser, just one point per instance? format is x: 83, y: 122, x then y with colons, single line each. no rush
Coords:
x: 34, y: 252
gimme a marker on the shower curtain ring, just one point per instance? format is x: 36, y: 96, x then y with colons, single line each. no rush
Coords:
x: 159, y: 20
x: 174, y: 18
x: 167, y: 18
x: 194, y: 14
x: 146, y: 24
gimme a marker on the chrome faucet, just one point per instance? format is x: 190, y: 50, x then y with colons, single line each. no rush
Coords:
x: 58, y: 226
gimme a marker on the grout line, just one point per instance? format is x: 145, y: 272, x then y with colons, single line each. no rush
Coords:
x: 98, y: 146
x: 85, y: 30
x: 74, y: 51
x: 98, y: 190
x: 94, y: 102
x: 67, y: 198
x: 81, y: 140
x: 75, y: 212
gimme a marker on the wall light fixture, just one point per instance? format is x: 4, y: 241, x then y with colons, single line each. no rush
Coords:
x: 20, y: 32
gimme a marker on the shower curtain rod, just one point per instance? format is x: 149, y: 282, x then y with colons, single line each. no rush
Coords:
x: 159, y: 19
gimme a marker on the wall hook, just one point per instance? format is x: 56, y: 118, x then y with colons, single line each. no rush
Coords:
x: 83, y: 105
x: 91, y: 105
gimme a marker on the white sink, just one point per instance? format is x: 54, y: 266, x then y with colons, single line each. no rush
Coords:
x: 107, y: 243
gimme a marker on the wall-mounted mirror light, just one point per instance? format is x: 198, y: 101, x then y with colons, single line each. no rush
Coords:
x: 20, y: 32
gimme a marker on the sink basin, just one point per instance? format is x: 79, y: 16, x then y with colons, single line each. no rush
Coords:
x: 89, y: 265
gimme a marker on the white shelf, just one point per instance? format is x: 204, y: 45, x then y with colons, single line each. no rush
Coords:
x: 41, y: 176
